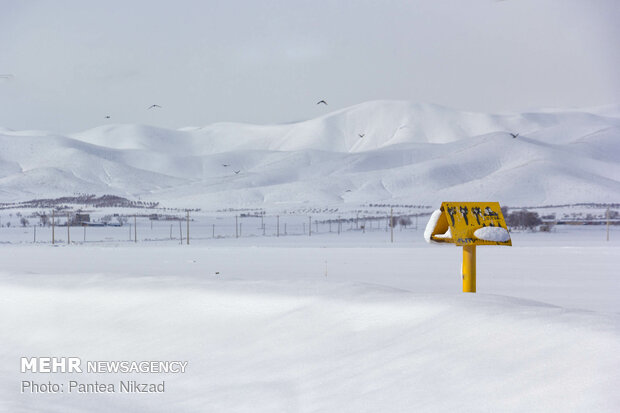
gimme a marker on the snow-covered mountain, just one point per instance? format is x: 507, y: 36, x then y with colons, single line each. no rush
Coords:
x: 380, y: 151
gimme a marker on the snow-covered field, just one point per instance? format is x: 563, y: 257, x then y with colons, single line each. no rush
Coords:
x: 337, y: 323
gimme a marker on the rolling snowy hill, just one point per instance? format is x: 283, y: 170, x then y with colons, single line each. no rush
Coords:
x: 380, y: 151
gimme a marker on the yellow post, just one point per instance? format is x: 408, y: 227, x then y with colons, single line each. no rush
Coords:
x: 469, y: 268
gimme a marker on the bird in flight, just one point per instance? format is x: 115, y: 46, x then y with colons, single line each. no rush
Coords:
x: 107, y: 116
x: 154, y: 106
x: 321, y: 101
x: 514, y: 135
x: 361, y: 135
x: 237, y: 172
x: 225, y: 165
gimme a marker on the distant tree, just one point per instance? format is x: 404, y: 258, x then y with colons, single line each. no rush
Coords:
x: 44, y: 220
x: 523, y: 219
x: 24, y: 222
x: 404, y: 221
x: 531, y: 220
x: 393, y: 222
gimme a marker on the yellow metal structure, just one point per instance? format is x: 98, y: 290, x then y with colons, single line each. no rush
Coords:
x: 457, y: 224
x: 469, y: 269
x: 464, y: 218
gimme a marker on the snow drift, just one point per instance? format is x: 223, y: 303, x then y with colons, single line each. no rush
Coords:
x: 294, y: 346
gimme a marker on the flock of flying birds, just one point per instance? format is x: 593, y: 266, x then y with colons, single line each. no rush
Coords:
x: 320, y: 102
x: 156, y: 106
x: 225, y: 165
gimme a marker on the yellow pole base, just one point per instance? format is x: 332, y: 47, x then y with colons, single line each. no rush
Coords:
x: 469, y: 269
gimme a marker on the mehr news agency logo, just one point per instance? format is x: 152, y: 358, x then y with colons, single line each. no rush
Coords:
x: 75, y: 365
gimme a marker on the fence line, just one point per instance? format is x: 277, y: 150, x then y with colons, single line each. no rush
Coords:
x: 145, y: 228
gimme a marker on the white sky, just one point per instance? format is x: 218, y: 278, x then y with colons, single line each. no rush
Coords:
x: 270, y: 61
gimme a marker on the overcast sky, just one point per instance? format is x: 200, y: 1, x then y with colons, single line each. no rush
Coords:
x: 269, y: 61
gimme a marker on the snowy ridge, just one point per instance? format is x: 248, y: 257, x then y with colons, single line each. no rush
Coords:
x: 380, y: 151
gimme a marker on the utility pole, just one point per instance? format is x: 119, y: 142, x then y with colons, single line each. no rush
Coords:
x: 180, y: 233
x: 309, y: 226
x: 339, y: 224
x: 187, y: 232
x: 391, y: 224
x: 170, y: 231
x: 35, y: 234
x: 68, y: 233
x: 53, y: 225
x: 607, y: 215
x: 213, y: 233
x: 277, y: 225
x: 135, y: 228
x: 236, y: 226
